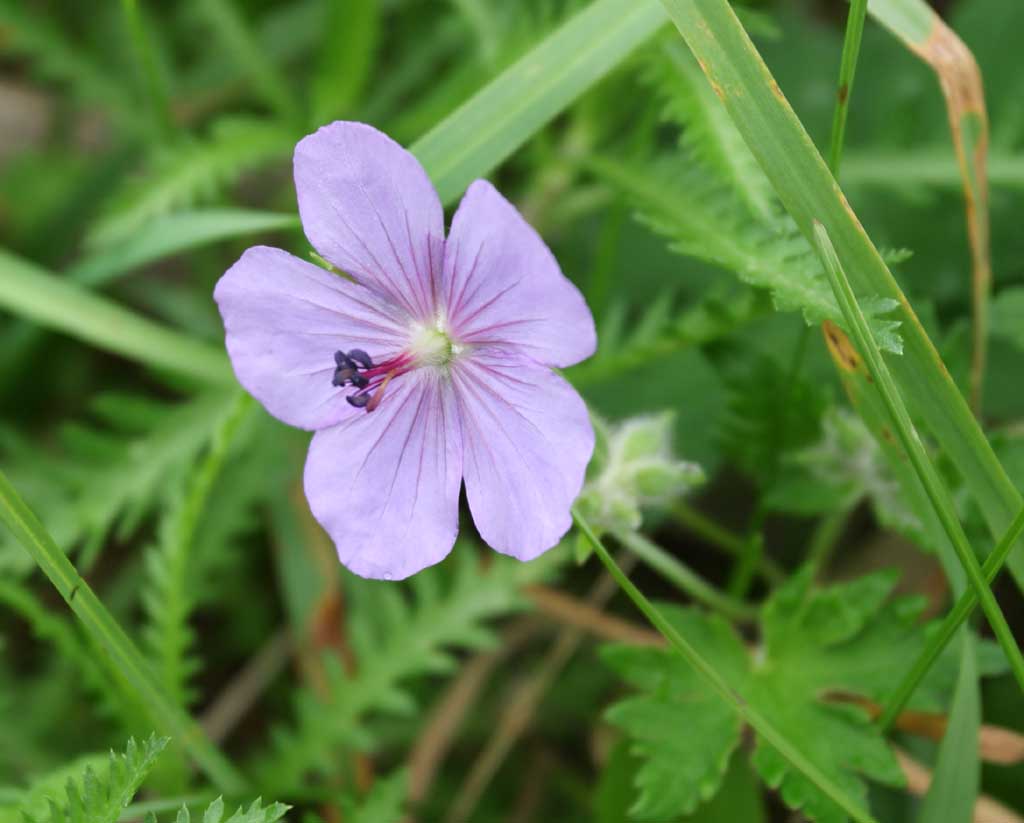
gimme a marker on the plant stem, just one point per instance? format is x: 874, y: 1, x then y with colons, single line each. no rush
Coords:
x: 751, y: 715
x: 847, y: 69
x: 926, y: 472
x: 961, y: 611
x: 687, y: 580
x: 109, y: 636
x: 722, y: 539
x: 823, y: 541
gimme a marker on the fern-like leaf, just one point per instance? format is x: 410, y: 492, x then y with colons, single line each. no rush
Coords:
x: 100, y: 798
x: 171, y: 595
x: 113, y: 471
x: 395, y: 641
x: 255, y: 813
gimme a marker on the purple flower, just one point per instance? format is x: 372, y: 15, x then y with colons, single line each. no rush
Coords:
x: 430, y: 367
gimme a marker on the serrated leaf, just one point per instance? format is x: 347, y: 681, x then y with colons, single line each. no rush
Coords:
x: 394, y: 641
x: 92, y: 796
x: 820, y: 647
x: 684, y: 734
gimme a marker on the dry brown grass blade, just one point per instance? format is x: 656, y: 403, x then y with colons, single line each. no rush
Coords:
x: 924, y: 33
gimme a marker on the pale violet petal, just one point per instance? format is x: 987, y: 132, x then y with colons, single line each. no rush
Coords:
x: 385, y: 484
x: 368, y: 206
x: 527, y: 440
x: 284, y: 318
x: 502, y: 286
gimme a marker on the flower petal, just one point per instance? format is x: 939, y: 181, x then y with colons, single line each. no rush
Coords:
x: 284, y: 318
x: 385, y: 484
x: 503, y: 286
x: 526, y: 440
x: 368, y: 206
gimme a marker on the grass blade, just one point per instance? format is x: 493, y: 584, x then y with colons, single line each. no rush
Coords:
x: 847, y: 69
x: 954, y: 620
x: 957, y: 776
x: 808, y: 191
x: 940, y: 498
x: 37, y: 295
x: 493, y: 123
x: 917, y: 25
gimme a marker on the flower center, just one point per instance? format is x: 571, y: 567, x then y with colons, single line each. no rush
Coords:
x: 431, y: 345
x: 428, y: 346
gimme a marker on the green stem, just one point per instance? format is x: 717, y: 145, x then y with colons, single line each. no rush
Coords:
x: 722, y: 539
x: 687, y: 580
x: 108, y: 635
x: 961, y: 611
x: 826, y: 535
x: 764, y: 728
x: 847, y: 69
x: 926, y: 472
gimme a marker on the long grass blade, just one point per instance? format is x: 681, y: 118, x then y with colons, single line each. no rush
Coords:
x: 107, y: 634
x: 918, y: 26
x: 35, y: 294
x: 939, y: 496
x: 809, y: 192
x: 847, y: 71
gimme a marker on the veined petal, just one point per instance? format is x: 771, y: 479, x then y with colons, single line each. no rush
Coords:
x: 385, y: 485
x: 503, y: 286
x: 368, y: 206
x: 284, y: 318
x: 526, y: 441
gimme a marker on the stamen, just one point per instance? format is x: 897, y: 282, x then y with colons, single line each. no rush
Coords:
x: 379, y: 394
x: 361, y: 357
x: 358, y: 400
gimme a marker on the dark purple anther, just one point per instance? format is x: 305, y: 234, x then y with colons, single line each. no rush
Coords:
x: 359, y: 381
x: 358, y: 400
x: 341, y: 360
x: 360, y: 357
x: 345, y: 374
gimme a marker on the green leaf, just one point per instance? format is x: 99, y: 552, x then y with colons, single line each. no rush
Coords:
x: 383, y: 802
x: 1008, y: 315
x: 809, y: 193
x: 396, y: 640
x: 189, y: 171
x: 684, y: 733
x: 92, y: 797
x: 846, y: 640
x: 41, y: 297
x: 957, y: 776
x: 492, y: 124
x: 112, y: 471
x: 702, y: 218
x: 172, y: 234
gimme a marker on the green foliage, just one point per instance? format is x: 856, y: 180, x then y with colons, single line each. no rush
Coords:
x: 100, y: 797
x: 114, y: 471
x: 190, y: 172
x: 150, y: 183
x: 771, y: 412
x: 817, y: 645
x: 634, y: 466
x: 396, y: 640
x: 214, y: 813
x: 383, y: 802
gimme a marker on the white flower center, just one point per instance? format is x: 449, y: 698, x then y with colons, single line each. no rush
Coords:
x: 432, y: 345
